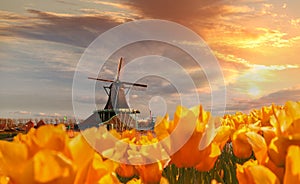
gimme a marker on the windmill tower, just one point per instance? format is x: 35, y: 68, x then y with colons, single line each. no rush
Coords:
x: 116, y: 113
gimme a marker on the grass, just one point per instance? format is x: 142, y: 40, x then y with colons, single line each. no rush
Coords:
x: 224, y: 170
x: 9, y: 134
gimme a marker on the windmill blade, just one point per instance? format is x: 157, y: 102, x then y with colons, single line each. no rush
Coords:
x: 119, y: 68
x: 135, y: 84
x: 104, y: 80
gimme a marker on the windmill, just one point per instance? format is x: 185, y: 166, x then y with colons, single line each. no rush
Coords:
x: 116, y: 113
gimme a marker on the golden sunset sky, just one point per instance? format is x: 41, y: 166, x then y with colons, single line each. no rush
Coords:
x: 257, y: 43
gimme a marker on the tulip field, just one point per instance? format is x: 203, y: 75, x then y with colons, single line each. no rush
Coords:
x: 262, y: 147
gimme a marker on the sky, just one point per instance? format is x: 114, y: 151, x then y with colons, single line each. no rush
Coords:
x: 256, y: 43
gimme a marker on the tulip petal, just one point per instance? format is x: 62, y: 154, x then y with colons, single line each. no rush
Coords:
x: 11, y: 155
x: 251, y: 173
x: 50, y: 165
x: 262, y: 174
x: 292, y: 169
x: 4, y: 180
x: 259, y: 146
x: 209, y: 134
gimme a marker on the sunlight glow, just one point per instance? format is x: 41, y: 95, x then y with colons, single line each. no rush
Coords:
x: 254, y: 91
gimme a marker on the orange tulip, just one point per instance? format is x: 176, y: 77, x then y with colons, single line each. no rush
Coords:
x: 278, y: 171
x: 189, y: 155
x: 211, y: 153
x: 268, y: 134
x: 150, y: 173
x: 278, y: 150
x: 240, y: 144
x: 292, y: 169
x: 100, y: 171
x: 126, y: 171
x: 209, y: 157
x: 252, y: 173
x: 139, y: 181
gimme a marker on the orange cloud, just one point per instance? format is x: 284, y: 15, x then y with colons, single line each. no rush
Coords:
x: 257, y: 38
x: 234, y: 59
x: 295, y: 22
x: 116, y: 5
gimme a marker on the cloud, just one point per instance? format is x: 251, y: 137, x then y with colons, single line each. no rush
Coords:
x: 292, y: 94
x: 89, y: 100
x: 295, y: 22
x: 77, y: 30
x: 194, y: 14
x: 111, y: 4
x: 48, y: 115
x: 65, y: 2
x: 242, y: 62
x: 277, y: 97
x: 20, y: 113
x: 259, y: 37
x: 6, y: 16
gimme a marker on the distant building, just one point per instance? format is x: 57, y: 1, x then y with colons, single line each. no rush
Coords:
x: 40, y: 123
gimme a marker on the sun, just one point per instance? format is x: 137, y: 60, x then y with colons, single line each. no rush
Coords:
x: 254, y: 91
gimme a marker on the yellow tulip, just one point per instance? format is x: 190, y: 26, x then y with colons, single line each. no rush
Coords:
x: 292, y: 168
x: 238, y: 120
x: 4, y: 180
x: 258, y: 145
x: 101, y: 170
x: 108, y: 179
x: 82, y: 155
x: 130, y: 147
x: 266, y: 113
x: 51, y: 167
x: 14, y: 160
x: 252, y: 173
x: 130, y: 134
x: 48, y: 155
x: 286, y: 122
x: 134, y: 181
x: 50, y: 137
x: 263, y: 115
x: 163, y: 127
